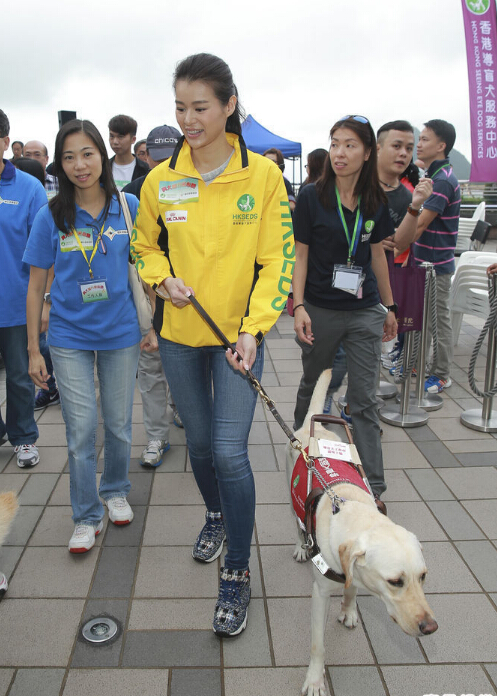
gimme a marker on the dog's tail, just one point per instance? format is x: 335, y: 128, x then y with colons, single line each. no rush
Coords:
x: 318, y: 396
x: 8, y: 509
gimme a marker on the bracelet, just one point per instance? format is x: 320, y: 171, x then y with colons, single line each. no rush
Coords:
x: 297, y: 306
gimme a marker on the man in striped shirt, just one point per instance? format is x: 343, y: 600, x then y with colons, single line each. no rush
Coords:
x: 436, y: 236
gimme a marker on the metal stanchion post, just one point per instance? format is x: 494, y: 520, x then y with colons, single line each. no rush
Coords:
x: 422, y: 399
x: 405, y: 415
x: 474, y: 418
x: 386, y: 390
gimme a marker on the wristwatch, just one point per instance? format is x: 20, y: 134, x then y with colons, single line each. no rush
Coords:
x: 393, y: 308
x: 413, y: 211
x: 47, y: 298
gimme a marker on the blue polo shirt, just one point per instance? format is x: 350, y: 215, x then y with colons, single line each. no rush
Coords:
x: 21, y: 196
x: 101, y: 325
x: 438, y: 242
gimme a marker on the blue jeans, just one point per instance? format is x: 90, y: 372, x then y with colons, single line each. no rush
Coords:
x: 20, y: 425
x: 116, y: 370
x: 216, y: 405
x: 45, y: 351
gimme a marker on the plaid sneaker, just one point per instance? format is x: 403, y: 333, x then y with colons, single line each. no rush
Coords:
x: 230, y: 616
x: 209, y: 544
x: 434, y: 384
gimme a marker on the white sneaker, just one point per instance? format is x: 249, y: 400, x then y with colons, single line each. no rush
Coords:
x: 3, y: 585
x: 83, y: 537
x: 153, y: 453
x: 27, y: 456
x: 120, y: 511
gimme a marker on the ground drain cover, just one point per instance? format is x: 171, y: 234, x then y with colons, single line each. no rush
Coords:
x: 99, y: 630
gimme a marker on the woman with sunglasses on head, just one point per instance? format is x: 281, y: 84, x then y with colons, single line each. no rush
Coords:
x: 82, y: 233
x: 214, y: 222
x: 341, y: 287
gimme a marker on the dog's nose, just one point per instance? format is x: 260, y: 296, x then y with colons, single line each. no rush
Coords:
x: 428, y: 626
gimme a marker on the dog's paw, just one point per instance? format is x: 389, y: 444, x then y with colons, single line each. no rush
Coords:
x: 349, y: 617
x: 299, y: 553
x: 315, y: 687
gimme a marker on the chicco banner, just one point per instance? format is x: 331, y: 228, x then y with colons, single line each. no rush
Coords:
x: 480, y: 26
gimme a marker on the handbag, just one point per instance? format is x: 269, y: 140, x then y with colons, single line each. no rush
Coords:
x: 408, y: 290
x: 140, y: 297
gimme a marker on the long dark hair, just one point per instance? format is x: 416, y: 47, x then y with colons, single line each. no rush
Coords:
x: 315, y: 163
x: 63, y: 206
x: 368, y: 185
x: 210, y: 69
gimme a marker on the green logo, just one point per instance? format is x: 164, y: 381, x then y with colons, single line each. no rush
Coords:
x: 296, y: 481
x: 478, y: 7
x: 369, y: 226
x: 245, y: 202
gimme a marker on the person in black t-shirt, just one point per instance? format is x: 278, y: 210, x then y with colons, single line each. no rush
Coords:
x: 341, y: 277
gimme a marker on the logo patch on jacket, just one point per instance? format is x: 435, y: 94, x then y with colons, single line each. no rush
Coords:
x: 245, y: 203
x: 181, y: 191
x: 176, y: 216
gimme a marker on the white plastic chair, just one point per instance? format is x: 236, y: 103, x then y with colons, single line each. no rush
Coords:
x: 467, y: 227
x: 469, y: 291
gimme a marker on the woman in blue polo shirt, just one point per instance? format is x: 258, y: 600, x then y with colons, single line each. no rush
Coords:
x: 82, y: 233
x: 340, y: 278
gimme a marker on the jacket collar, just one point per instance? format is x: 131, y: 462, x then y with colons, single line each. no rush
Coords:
x: 181, y: 160
x: 9, y: 170
x: 436, y: 165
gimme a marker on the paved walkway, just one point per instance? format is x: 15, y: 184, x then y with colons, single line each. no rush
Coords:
x: 442, y: 485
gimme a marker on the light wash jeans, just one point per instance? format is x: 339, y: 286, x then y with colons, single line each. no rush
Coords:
x: 116, y: 371
x: 216, y: 405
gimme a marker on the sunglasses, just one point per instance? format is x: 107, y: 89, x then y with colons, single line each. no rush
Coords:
x: 360, y: 119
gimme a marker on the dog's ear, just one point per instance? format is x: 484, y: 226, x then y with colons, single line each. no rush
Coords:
x: 349, y: 552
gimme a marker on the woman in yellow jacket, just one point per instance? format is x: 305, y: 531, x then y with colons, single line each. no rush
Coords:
x: 214, y: 222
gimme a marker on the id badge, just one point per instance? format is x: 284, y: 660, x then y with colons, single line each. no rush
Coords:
x: 93, y: 290
x: 348, y: 278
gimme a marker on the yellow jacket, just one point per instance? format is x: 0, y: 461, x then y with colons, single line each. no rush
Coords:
x: 231, y: 241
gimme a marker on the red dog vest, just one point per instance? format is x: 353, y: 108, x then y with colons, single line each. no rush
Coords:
x: 333, y: 471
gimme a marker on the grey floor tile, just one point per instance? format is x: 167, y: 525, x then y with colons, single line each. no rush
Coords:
x: 274, y: 524
x: 259, y: 434
x: 437, y: 454
x: 9, y: 556
x: 252, y: 682
x: 171, y: 614
x: 289, y: 379
x: 186, y: 682
x: 28, y: 622
x: 13, y: 482
x: 467, y: 629
x: 115, y: 572
x: 5, y: 680
x: 356, y: 680
x: 453, y: 429
x: 481, y: 557
x: 182, y: 522
x: 52, y: 434
x: 422, y: 434
x: 171, y: 649
x: 388, y: 641
x: 140, y: 488
x: 37, y: 681
x: 484, y: 512
x: 283, y: 576
x: 455, y: 520
x: 38, y: 489
x: 252, y: 646
x: 410, y: 453
x: 436, y: 679
x: 262, y: 457
x: 417, y: 518
x: 342, y: 646
x: 492, y: 670
x: 171, y: 572
x: 52, y: 572
x: 457, y: 446
x: 271, y: 487
x: 429, y: 484
x: 477, y: 458
x: 125, y: 682
x: 174, y: 489
x: 469, y: 483
x: 25, y: 521
x: 108, y: 654
x: 128, y: 534
x: 447, y: 572
x: 55, y: 528
x: 399, y: 488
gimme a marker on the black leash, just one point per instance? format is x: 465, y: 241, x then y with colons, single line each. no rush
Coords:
x: 268, y: 402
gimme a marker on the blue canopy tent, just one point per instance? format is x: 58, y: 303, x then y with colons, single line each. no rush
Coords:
x: 259, y: 139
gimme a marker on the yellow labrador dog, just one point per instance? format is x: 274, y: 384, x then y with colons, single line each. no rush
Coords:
x: 8, y: 509
x: 370, y: 550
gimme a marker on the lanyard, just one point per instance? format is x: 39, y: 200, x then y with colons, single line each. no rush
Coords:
x: 99, y: 237
x: 444, y: 166
x: 357, y: 228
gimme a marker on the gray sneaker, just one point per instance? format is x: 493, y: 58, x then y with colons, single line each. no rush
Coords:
x: 153, y: 453
x: 27, y: 456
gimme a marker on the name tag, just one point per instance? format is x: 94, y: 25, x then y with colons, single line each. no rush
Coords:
x: 68, y: 242
x: 182, y: 191
x: 335, y: 450
x: 348, y: 278
x: 94, y: 290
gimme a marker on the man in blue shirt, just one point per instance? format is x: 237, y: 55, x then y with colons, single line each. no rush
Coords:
x: 436, y: 236
x: 21, y: 196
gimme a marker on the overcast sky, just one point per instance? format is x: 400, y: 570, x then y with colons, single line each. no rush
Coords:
x: 299, y: 66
